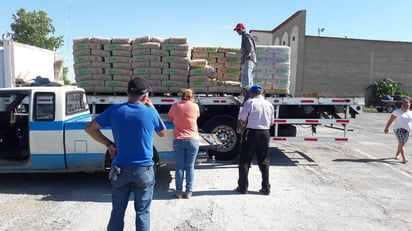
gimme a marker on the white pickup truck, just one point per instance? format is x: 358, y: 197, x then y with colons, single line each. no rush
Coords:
x: 42, y: 130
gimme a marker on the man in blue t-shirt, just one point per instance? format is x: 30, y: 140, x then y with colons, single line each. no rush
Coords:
x: 133, y: 124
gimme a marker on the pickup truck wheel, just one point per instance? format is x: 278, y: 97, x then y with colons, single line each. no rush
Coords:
x: 224, y: 127
x: 390, y: 108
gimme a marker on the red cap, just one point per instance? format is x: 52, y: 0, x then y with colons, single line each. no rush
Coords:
x: 239, y: 25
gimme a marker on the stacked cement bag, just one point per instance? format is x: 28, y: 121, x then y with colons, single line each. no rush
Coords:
x: 176, y: 54
x: 226, y: 62
x: 89, y: 62
x: 230, y: 69
x: 147, y: 60
x: 273, y: 69
x: 119, y: 67
x: 202, y: 77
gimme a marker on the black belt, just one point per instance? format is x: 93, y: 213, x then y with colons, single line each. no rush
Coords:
x: 254, y: 129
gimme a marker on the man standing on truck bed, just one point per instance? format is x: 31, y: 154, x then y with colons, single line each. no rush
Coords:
x: 133, y: 124
x: 256, y: 115
x: 248, y: 55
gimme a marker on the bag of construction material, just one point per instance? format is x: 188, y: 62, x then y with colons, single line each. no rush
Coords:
x: 127, y: 66
x: 179, y: 40
x: 101, y: 77
x: 124, y: 78
x: 142, y: 58
x: 159, y: 77
x: 116, y: 46
x: 100, y: 64
x: 182, y: 53
x: 118, y: 59
x: 122, y: 53
x: 146, y: 45
x: 198, y: 63
x: 102, y: 53
x: 157, y: 39
x: 143, y: 39
x: 100, y: 40
x: 156, y: 64
x: 120, y: 40
x: 81, y: 40
x: 84, y: 77
x: 174, y: 71
x: 117, y: 71
x: 145, y: 64
x: 91, y: 70
x: 145, y: 51
x: 88, y: 58
x: 180, y: 78
x: 82, y: 52
x: 181, y: 66
x: 175, y: 46
x: 115, y: 83
x: 228, y: 49
x: 204, y: 49
x: 149, y: 70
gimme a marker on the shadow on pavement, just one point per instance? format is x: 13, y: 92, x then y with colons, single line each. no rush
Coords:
x: 392, y: 161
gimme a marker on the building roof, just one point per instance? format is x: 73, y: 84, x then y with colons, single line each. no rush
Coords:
x: 282, y: 24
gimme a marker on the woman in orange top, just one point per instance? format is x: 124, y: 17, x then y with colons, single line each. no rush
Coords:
x: 186, y: 140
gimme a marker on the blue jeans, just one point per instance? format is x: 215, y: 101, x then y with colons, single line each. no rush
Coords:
x: 186, y: 151
x: 247, y: 73
x: 137, y: 179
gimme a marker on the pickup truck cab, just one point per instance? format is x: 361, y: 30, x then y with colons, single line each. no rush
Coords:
x: 389, y: 104
x: 42, y: 130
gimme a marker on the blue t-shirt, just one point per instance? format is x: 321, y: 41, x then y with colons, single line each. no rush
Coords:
x: 133, y: 125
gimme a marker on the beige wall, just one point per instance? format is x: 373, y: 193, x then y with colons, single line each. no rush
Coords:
x: 350, y: 65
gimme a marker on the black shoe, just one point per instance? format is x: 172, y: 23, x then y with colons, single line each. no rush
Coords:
x: 265, y: 191
x: 240, y: 190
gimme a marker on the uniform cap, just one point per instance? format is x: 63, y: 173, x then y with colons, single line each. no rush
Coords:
x: 256, y: 89
x: 138, y: 86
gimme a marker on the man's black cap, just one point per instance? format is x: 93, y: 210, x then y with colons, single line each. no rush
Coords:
x: 138, y: 86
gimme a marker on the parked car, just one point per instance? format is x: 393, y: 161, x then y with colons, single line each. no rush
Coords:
x: 389, y: 104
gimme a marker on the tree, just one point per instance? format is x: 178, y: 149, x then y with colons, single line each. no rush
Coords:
x: 33, y: 28
x: 387, y: 86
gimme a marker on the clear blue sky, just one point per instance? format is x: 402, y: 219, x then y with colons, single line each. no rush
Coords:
x: 211, y: 22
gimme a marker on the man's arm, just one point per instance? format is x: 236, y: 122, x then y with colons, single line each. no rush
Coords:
x: 93, y: 129
x: 162, y: 132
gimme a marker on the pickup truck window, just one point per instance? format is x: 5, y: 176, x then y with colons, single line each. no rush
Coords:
x: 44, y: 106
x: 76, y: 102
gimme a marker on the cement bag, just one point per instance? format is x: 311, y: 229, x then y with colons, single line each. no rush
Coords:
x: 157, y: 39
x: 180, y: 78
x: 154, y: 82
x: 88, y: 58
x: 87, y: 83
x: 233, y: 89
x: 228, y: 83
x: 228, y: 49
x: 102, y: 53
x: 115, y: 83
x: 101, y: 77
x: 159, y: 89
x: 120, y: 90
x: 143, y: 39
x: 156, y: 51
x: 83, y: 77
x: 142, y: 58
x: 233, y: 55
x: 198, y: 63
x: 198, y: 78
x: 176, y: 59
x: 82, y: 46
x: 101, y: 40
x: 207, y: 83
x: 172, y: 83
x: 91, y: 70
x: 146, y: 45
x: 217, y: 55
x: 89, y: 89
x: 229, y: 65
x: 159, y: 77
x: 149, y: 70
x: 145, y: 64
x: 81, y: 40
x: 217, y: 89
x: 120, y: 40
x: 181, y: 66
x: 117, y: 71
x: 182, y: 53
x: 118, y: 59
x: 174, y: 46
x: 204, y: 49
x: 82, y: 65
x: 127, y: 66
x: 156, y: 64
x: 264, y: 76
x: 145, y: 51
x: 100, y: 64
x: 174, y: 71
x: 200, y: 55
x: 122, y: 53
x: 179, y: 40
x: 115, y: 46
x: 124, y: 78
x: 82, y: 52
x: 231, y: 77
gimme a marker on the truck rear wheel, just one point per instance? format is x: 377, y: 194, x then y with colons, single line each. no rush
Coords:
x: 390, y: 108
x: 224, y: 127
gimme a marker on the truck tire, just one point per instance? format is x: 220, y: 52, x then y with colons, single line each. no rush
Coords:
x: 287, y: 130
x: 390, y: 108
x: 224, y: 127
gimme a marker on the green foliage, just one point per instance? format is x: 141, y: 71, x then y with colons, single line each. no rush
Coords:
x: 387, y: 86
x: 33, y: 28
